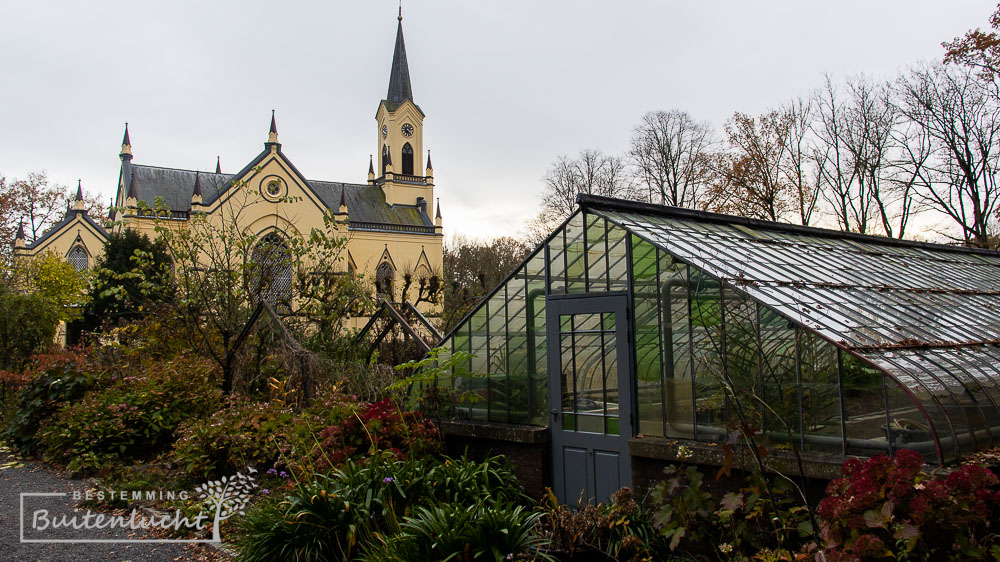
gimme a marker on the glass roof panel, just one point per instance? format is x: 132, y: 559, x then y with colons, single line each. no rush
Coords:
x: 878, y: 298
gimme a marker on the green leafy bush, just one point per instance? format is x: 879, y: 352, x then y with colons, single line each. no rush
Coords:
x: 27, y: 326
x: 756, y: 518
x: 55, y: 379
x: 132, y: 418
x: 333, y: 517
x: 462, y: 532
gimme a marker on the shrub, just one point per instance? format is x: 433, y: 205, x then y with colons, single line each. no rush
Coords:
x: 884, y: 506
x: 332, y: 517
x: 27, y: 326
x: 758, y: 517
x: 55, y: 379
x: 462, y: 532
x: 620, y: 530
x: 381, y: 427
x: 132, y: 273
x: 133, y: 417
x: 257, y: 434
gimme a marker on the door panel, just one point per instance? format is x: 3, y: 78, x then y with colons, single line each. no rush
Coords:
x: 607, y: 464
x: 575, y: 473
x: 592, y: 398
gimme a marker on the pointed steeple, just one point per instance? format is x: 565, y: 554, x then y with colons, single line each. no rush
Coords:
x: 126, y: 145
x: 342, y: 208
x: 371, y: 168
x: 20, y: 240
x: 272, y: 134
x: 218, y: 165
x: 78, y: 203
x: 399, y: 77
x: 196, y: 192
x: 437, y: 215
x: 429, y: 166
x: 132, y: 197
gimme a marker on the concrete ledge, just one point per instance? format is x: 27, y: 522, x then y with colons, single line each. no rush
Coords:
x: 826, y: 467
x: 526, y: 434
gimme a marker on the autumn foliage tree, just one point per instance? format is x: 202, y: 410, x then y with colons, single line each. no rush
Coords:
x: 750, y: 178
x: 977, y: 49
x: 474, y: 267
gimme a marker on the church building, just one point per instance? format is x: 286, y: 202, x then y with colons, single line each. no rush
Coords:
x: 387, y: 220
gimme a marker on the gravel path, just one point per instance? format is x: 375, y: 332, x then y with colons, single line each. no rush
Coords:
x: 18, y: 476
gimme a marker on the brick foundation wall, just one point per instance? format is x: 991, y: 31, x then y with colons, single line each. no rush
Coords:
x: 527, y: 449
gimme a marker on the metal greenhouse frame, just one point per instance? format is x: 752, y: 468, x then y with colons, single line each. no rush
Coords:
x: 635, y: 321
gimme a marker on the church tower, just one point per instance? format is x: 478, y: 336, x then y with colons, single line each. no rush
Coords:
x: 399, y: 152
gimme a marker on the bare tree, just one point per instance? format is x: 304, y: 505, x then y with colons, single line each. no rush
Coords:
x: 959, y: 116
x: 861, y: 149
x: 838, y: 169
x: 670, y: 151
x: 592, y: 172
x: 870, y: 120
x: 800, y: 167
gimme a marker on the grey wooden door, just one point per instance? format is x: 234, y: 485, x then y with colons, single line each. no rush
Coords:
x: 591, y: 396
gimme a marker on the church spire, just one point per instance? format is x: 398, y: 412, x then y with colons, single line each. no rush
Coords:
x: 126, y: 145
x: 218, y: 165
x: 272, y: 134
x: 196, y: 198
x: 399, y: 78
x: 78, y: 203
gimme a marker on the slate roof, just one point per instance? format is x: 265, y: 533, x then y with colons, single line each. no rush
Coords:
x: 365, y: 203
x: 399, y: 77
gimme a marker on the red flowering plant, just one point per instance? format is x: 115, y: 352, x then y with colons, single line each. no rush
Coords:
x: 883, y: 507
x: 380, y: 428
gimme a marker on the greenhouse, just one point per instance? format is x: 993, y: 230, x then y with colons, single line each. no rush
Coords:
x: 636, y: 321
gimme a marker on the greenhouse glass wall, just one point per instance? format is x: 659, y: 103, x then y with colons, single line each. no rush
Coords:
x: 637, y: 321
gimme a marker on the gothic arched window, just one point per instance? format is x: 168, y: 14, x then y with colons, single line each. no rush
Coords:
x: 78, y: 258
x: 407, y: 159
x: 384, y: 278
x: 271, y: 274
x: 385, y: 158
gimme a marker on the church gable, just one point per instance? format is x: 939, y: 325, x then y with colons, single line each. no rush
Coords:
x: 77, y: 238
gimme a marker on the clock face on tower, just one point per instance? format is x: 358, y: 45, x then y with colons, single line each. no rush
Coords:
x: 385, y: 131
x: 407, y: 130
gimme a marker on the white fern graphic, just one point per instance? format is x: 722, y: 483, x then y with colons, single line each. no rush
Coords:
x: 227, y: 496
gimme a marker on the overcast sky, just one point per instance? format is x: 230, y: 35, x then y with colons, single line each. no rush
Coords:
x: 506, y: 86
